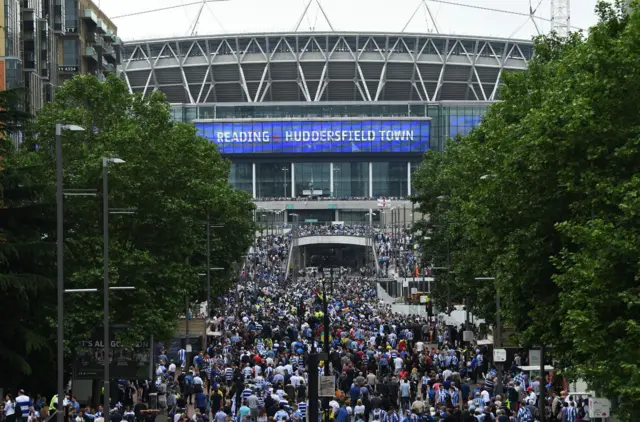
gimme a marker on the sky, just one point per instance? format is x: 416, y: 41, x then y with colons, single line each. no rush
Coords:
x: 259, y: 16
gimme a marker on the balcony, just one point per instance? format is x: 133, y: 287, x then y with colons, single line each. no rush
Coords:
x: 91, y: 53
x: 28, y: 15
x: 90, y: 15
x: 96, y: 40
x: 109, y: 53
x: 101, y: 28
x: 110, y: 35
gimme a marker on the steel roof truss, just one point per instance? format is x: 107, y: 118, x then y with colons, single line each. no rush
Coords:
x: 185, y: 83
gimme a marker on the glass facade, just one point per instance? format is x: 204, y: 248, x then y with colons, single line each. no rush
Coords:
x: 241, y: 176
x: 447, y: 119
x: 11, y: 28
x: 312, y: 176
x: 390, y: 179
x: 350, y: 179
x: 333, y: 173
x: 272, y: 179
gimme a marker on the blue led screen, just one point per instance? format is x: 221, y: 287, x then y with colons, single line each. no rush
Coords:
x: 462, y: 125
x: 302, y: 136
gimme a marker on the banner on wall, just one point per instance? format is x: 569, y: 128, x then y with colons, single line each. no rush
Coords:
x: 313, y: 136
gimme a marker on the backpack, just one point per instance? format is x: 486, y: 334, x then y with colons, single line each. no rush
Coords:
x: 188, y: 380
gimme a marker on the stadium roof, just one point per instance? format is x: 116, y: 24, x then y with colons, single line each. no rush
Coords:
x: 331, y: 66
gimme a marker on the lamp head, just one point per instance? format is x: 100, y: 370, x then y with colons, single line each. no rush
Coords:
x: 73, y: 128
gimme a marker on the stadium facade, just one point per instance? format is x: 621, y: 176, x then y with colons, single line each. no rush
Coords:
x: 327, y: 124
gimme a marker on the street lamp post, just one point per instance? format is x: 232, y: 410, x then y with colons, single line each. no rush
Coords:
x: 209, y: 226
x: 497, y: 334
x: 60, y: 261
x: 286, y: 173
x: 105, y: 236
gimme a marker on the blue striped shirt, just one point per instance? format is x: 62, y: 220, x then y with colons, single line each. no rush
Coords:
x: 302, y: 407
x: 524, y: 415
x: 23, y: 405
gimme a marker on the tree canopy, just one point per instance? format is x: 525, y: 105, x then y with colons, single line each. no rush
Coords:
x: 543, y: 196
x: 172, y: 181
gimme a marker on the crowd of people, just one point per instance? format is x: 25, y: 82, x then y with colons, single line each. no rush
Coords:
x: 385, y: 366
x: 359, y: 230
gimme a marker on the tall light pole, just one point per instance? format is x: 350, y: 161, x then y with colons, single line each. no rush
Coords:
x: 209, y: 226
x: 105, y: 261
x: 60, y: 261
x: 497, y: 334
x: 285, y: 169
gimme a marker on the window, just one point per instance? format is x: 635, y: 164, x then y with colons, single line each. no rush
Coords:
x: 241, y: 177
x: 71, y: 14
x: 70, y: 52
x: 390, y: 179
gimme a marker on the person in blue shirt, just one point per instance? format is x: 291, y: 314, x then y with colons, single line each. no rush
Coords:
x: 281, y: 414
x: 343, y: 414
x: 201, y: 402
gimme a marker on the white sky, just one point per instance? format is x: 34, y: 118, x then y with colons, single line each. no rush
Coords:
x: 255, y: 16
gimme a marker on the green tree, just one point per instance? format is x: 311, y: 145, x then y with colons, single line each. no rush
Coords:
x: 172, y: 178
x: 543, y: 196
x: 24, y: 252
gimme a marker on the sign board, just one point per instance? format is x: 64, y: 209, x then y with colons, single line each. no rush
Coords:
x: 534, y: 358
x: 68, y: 69
x: 499, y: 355
x: 290, y: 207
x: 332, y: 206
x: 424, y: 299
x: 251, y: 136
x: 189, y: 348
x: 130, y: 362
x: 311, y: 220
x: 467, y: 336
x: 599, y: 408
x: 327, y: 386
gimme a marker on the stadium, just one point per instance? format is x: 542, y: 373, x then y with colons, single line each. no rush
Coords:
x: 329, y: 126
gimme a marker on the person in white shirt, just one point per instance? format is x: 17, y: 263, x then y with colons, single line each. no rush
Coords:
x: 398, y: 363
x: 485, y: 396
x: 172, y: 369
x: 419, y: 346
x: 9, y: 408
x: 295, y: 380
x: 197, y: 380
x: 335, y: 406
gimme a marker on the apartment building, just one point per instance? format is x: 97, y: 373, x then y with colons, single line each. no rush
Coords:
x: 89, y: 44
x: 46, y: 42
